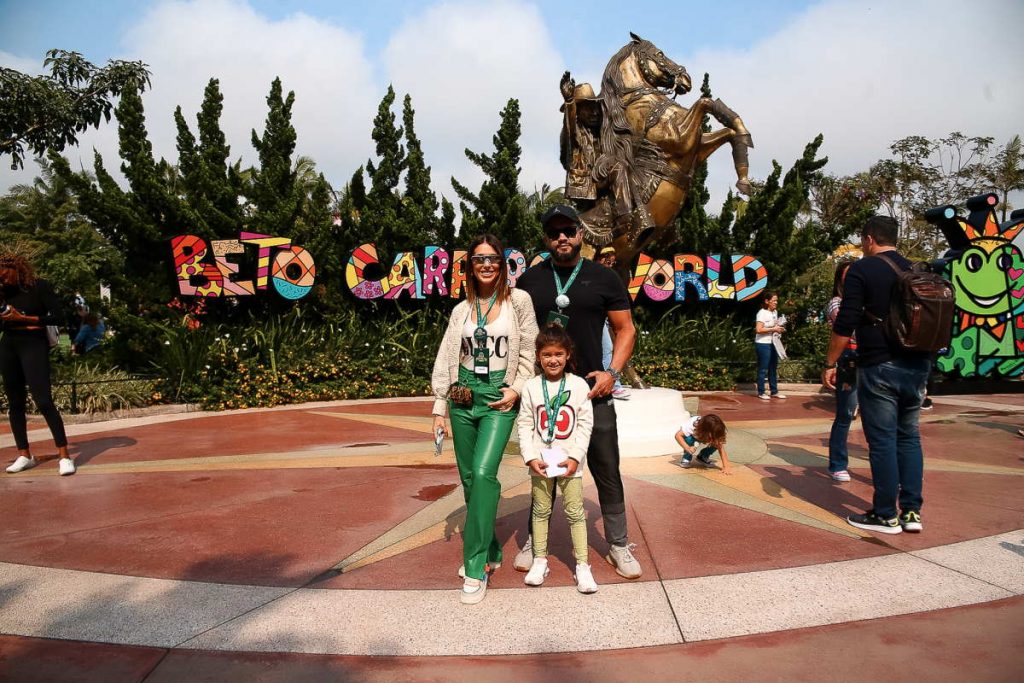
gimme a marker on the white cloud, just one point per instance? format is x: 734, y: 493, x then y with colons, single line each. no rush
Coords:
x: 461, y: 62
x: 868, y: 74
x: 187, y: 43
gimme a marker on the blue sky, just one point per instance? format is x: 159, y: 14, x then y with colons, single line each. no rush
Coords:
x: 862, y: 73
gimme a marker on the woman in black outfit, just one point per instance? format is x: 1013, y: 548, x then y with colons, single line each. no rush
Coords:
x: 28, y: 306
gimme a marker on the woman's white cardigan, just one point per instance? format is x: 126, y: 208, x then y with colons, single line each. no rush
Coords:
x: 521, y: 338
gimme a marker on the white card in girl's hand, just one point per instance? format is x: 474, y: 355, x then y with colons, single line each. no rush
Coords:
x: 553, y: 456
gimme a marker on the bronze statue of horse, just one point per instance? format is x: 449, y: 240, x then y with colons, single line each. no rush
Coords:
x: 631, y: 151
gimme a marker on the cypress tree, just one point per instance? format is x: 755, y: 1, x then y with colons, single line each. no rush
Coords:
x: 419, y: 221
x: 499, y: 206
x: 380, y: 220
x: 272, y: 190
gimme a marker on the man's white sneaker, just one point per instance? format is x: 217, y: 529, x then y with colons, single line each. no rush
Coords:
x: 524, y: 558
x: 778, y: 396
x: 22, y: 464
x: 585, y: 579
x: 538, y: 572
x: 621, y: 557
x: 841, y: 475
x: 764, y: 397
x: 473, y: 591
x: 67, y: 466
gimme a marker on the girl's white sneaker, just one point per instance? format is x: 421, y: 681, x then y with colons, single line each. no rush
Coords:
x: 538, y: 572
x: 585, y: 579
x: 473, y: 591
x: 67, y: 466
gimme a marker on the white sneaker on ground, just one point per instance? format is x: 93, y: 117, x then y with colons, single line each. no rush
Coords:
x: 67, y: 466
x: 585, y: 579
x: 778, y: 396
x: 538, y: 572
x: 491, y: 568
x: 22, y: 464
x: 473, y: 591
x: 764, y: 397
x: 524, y: 558
x: 841, y: 475
x: 621, y: 557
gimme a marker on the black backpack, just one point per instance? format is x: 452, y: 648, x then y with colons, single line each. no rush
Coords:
x: 921, y: 309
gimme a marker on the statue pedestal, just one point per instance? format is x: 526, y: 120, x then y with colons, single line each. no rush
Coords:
x: 648, y: 422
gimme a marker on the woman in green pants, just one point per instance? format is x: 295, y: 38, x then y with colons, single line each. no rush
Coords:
x: 486, y: 356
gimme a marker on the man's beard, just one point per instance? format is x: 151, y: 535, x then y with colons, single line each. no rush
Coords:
x: 567, y: 258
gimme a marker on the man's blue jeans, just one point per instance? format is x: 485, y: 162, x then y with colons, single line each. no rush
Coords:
x: 767, y: 364
x: 890, y: 397
x: 846, y: 405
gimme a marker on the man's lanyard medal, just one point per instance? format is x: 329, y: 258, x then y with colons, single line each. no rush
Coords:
x: 551, y: 409
x: 481, y: 356
x: 562, y: 300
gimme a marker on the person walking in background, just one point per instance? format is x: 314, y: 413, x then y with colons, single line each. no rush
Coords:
x: 768, y: 325
x: 29, y: 305
x: 846, y: 387
x: 890, y: 382
x: 555, y: 421
x: 607, y: 258
x: 484, y: 359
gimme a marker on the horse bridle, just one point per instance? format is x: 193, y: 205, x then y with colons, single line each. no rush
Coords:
x: 643, y: 58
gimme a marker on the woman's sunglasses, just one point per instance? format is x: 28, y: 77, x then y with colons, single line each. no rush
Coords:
x: 485, y: 259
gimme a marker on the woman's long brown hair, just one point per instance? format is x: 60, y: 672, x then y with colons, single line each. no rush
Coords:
x: 21, y: 266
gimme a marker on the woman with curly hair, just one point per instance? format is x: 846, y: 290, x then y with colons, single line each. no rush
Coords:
x: 28, y: 306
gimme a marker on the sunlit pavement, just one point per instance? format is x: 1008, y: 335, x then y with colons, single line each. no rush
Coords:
x: 322, y: 541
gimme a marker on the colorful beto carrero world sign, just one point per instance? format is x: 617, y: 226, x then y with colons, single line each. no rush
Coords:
x: 292, y: 270
x: 443, y: 273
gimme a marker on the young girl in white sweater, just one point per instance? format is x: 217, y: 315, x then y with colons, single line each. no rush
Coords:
x: 555, y: 421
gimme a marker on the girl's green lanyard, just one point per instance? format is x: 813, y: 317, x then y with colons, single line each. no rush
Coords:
x: 561, y: 298
x: 481, y: 356
x: 551, y: 408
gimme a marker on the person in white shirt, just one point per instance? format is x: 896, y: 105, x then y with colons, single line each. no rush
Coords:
x: 555, y: 422
x: 768, y: 325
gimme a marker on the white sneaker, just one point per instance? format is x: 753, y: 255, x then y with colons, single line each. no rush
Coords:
x: 621, y: 557
x: 538, y: 572
x: 585, y: 579
x: 22, y: 464
x: 473, y: 591
x: 841, y: 475
x: 524, y: 558
x: 764, y: 397
x: 778, y: 396
x: 67, y: 466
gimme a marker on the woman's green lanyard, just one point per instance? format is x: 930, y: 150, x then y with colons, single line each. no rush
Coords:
x: 561, y: 298
x: 551, y: 408
x: 481, y: 356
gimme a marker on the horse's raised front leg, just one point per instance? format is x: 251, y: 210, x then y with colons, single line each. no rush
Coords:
x: 740, y: 140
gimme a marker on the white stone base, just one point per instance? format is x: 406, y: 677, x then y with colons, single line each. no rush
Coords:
x: 648, y: 422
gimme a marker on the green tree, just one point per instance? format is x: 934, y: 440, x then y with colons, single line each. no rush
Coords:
x: 419, y: 220
x: 499, y: 206
x: 381, y: 219
x: 771, y: 226
x: 68, y: 250
x: 46, y: 113
x: 274, y: 196
x: 1006, y: 172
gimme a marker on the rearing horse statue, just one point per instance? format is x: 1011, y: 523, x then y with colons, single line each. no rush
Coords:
x: 630, y: 152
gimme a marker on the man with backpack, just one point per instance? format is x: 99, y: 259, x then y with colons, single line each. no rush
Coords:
x: 899, y: 311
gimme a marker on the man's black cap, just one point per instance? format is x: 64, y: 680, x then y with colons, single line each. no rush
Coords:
x: 560, y: 210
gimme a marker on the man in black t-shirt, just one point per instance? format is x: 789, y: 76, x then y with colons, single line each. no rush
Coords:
x: 581, y: 295
x: 890, y: 383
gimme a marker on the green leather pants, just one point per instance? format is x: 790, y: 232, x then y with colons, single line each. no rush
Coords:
x: 480, y: 435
